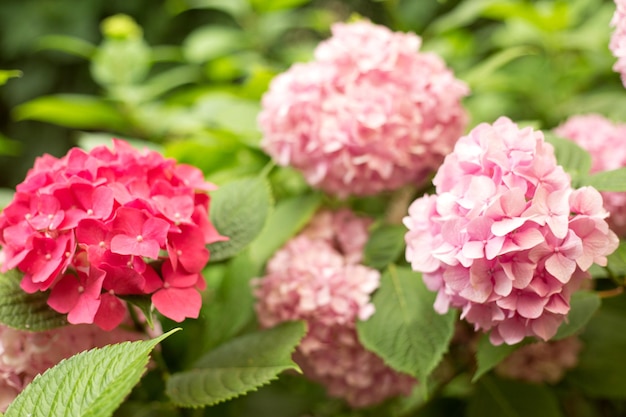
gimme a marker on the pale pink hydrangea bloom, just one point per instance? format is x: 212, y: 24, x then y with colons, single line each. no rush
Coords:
x: 542, y: 361
x: 505, y: 238
x: 606, y: 142
x: 94, y: 226
x: 24, y: 355
x: 317, y: 277
x: 369, y: 114
x: 618, y: 39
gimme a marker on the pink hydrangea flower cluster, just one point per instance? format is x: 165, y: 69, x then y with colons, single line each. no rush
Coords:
x: 317, y: 277
x: 369, y: 114
x: 92, y: 227
x: 618, y: 39
x: 24, y: 355
x: 506, y: 239
x: 606, y: 142
x: 541, y: 362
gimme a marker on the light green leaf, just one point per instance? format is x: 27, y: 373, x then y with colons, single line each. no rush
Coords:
x: 6, y: 75
x: 574, y: 159
x: 287, y: 218
x: 482, y: 73
x: 384, y: 246
x: 488, y: 355
x: 614, y: 180
x: 68, y: 44
x: 209, y: 42
x: 616, y: 262
x: 6, y: 196
x: 231, y: 308
x: 583, y: 305
x: 72, y: 110
x: 239, y: 210
x: 24, y: 311
x: 405, y: 330
x: 90, y: 384
x: 239, y: 366
x: 237, y: 115
x: 504, y: 398
x: 273, y: 5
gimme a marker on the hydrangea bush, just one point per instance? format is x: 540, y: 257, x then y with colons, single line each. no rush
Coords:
x: 384, y: 224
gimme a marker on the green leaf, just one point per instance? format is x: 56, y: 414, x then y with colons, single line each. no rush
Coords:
x: 574, y: 159
x: 384, y: 246
x: 504, y: 398
x: 488, y: 355
x: 209, y: 42
x: 239, y: 366
x: 583, y: 305
x: 24, y: 311
x: 287, y: 218
x: 239, y: 210
x: 72, y: 110
x: 234, y: 114
x: 236, y: 8
x: 614, y: 180
x: 405, y: 330
x: 68, y: 44
x: 6, y: 75
x: 601, y: 370
x: 231, y: 307
x: 90, y: 384
x: 616, y: 262
x: 6, y: 196
x: 143, y: 303
x: 273, y: 5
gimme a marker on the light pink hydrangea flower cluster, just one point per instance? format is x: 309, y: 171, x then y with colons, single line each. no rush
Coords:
x: 369, y: 114
x: 506, y: 239
x: 542, y: 361
x: 606, y: 142
x: 24, y: 355
x: 317, y: 277
x: 95, y: 226
x: 618, y: 39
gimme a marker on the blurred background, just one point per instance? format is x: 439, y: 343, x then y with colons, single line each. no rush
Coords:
x: 186, y: 76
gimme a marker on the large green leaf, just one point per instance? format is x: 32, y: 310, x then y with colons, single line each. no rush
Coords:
x: 239, y: 366
x: 503, y: 398
x: 384, y: 246
x: 287, y: 218
x: 72, y: 110
x: 574, y: 159
x: 24, y: 311
x: 405, y: 330
x: 583, y: 306
x: 239, y: 210
x: 231, y: 307
x: 614, y: 180
x: 90, y: 384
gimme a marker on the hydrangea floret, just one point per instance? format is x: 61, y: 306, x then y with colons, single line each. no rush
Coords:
x: 93, y: 227
x: 505, y: 238
x: 317, y: 277
x: 618, y: 39
x: 370, y: 113
x: 606, y: 142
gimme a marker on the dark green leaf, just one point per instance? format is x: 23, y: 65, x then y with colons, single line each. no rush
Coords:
x: 616, y: 262
x: 583, y: 305
x: 239, y: 366
x: 488, y: 355
x: 72, y: 110
x: 384, y: 246
x: 90, y: 384
x: 24, y: 311
x: 239, y: 210
x: 287, y: 218
x: 614, y: 180
x: 503, y: 398
x: 405, y: 330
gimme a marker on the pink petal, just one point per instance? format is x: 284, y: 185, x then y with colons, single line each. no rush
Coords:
x: 560, y: 267
x: 111, y: 312
x: 178, y: 303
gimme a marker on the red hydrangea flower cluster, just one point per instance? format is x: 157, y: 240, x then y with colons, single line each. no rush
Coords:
x: 318, y: 277
x: 369, y: 114
x: 606, y: 142
x: 506, y: 239
x: 24, y: 355
x: 618, y: 39
x: 92, y: 227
